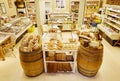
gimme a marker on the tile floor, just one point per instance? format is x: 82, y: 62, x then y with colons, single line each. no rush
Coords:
x: 11, y: 70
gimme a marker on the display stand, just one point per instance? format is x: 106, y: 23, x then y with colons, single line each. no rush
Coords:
x: 73, y: 62
x: 75, y: 10
x: 30, y: 10
x: 67, y: 48
x: 3, y: 40
x: 17, y: 27
x: 61, y: 19
x: 64, y: 18
x: 109, y: 28
x: 92, y: 6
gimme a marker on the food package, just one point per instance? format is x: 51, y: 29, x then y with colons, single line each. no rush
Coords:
x: 60, y: 57
x: 30, y: 43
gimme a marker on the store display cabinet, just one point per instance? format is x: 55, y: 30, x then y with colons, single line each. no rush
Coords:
x: 30, y: 10
x: 75, y: 10
x: 20, y: 7
x: 17, y: 27
x: 110, y: 26
x: 92, y: 6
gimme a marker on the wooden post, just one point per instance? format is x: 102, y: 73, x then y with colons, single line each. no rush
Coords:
x: 2, y: 53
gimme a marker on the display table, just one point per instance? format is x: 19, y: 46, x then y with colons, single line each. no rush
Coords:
x: 59, y: 53
x: 17, y: 27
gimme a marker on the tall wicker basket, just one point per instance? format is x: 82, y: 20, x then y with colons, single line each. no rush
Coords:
x: 32, y: 62
x: 89, y: 60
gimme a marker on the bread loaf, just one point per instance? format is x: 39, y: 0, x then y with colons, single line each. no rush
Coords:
x: 30, y: 43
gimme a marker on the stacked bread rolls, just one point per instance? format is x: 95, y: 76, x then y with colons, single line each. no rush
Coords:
x: 30, y: 43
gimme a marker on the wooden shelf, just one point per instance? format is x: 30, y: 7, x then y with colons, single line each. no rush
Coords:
x: 59, y: 67
x: 59, y: 62
x: 112, y: 6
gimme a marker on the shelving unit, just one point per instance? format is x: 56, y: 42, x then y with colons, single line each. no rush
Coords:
x: 60, y: 63
x: 111, y: 23
x: 60, y: 18
x: 115, y: 21
x: 75, y: 10
x: 72, y: 63
x: 30, y: 10
x: 64, y: 19
x: 92, y: 6
x: 20, y: 7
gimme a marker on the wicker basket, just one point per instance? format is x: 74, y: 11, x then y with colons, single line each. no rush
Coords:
x: 89, y: 60
x: 32, y: 62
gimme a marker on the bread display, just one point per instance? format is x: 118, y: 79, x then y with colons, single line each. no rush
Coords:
x: 54, y: 44
x: 90, y: 39
x: 59, y: 52
x: 61, y: 46
x: 30, y: 43
x: 16, y: 26
x: 10, y: 30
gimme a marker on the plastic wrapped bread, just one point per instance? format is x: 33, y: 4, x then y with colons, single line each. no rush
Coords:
x: 30, y: 43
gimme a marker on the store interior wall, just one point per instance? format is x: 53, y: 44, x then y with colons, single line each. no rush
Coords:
x: 81, y: 13
x: 10, y: 11
x: 40, y: 16
x: 64, y: 10
x: 49, y: 6
x: 52, y: 8
x: 42, y: 11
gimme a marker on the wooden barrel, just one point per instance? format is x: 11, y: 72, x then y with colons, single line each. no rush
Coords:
x: 89, y: 60
x: 32, y: 62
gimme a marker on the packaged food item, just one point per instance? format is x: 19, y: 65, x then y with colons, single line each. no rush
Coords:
x: 94, y: 44
x: 60, y: 57
x: 36, y: 46
x: 30, y: 43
